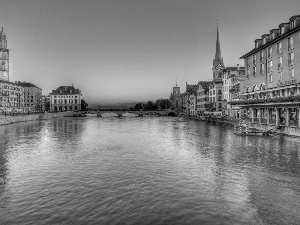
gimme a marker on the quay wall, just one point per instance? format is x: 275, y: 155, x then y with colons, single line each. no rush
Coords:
x: 24, y: 118
x: 290, y: 130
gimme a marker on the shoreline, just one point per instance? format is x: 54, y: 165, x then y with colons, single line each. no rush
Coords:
x: 24, y: 118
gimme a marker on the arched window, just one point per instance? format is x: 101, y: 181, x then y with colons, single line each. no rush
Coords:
x: 255, y: 88
x: 262, y: 87
x: 248, y: 89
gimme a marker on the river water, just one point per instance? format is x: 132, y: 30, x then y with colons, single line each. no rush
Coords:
x: 145, y: 170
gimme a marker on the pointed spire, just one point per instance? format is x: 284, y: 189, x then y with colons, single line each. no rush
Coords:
x: 218, y: 48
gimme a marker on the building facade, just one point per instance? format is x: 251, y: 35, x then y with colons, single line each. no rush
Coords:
x: 11, y: 97
x: 4, y: 57
x: 175, y: 99
x: 65, y: 98
x: 272, y: 93
x: 216, y: 96
x: 202, y: 104
x: 32, y: 96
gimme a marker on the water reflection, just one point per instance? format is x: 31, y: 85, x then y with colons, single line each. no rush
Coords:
x: 145, y: 170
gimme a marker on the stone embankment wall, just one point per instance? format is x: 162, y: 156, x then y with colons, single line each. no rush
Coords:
x: 24, y: 118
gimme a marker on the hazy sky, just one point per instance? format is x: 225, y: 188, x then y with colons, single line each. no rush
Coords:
x: 131, y: 50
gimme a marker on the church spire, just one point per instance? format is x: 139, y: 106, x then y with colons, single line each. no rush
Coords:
x: 218, y: 64
x: 218, y: 48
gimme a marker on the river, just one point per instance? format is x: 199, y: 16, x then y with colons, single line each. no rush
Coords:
x: 145, y: 170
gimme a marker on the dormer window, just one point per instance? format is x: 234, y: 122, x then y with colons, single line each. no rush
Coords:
x: 293, y: 23
x: 282, y: 30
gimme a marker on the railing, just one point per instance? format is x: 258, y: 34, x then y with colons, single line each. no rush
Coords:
x: 272, y: 121
x: 256, y: 120
x: 294, y: 123
x: 292, y: 98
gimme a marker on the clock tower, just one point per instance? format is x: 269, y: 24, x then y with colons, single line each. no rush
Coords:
x: 4, y: 57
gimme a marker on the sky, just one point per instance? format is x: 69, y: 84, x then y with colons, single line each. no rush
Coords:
x: 120, y: 51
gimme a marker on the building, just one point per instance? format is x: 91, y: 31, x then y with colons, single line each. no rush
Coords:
x: 65, y: 98
x: 45, y: 103
x: 11, y: 97
x: 215, y: 88
x: 215, y: 96
x: 202, y: 104
x: 271, y: 92
x: 4, y: 57
x: 175, y: 99
x: 190, y: 98
x: 192, y: 103
x: 32, y: 96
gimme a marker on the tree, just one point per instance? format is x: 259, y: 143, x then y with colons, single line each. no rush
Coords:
x: 84, y: 105
x: 138, y: 106
x: 163, y: 103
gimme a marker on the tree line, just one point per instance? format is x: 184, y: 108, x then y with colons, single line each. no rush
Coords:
x: 159, y: 104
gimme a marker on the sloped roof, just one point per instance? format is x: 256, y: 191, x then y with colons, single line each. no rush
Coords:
x: 204, y: 84
x: 26, y: 84
x: 65, y: 90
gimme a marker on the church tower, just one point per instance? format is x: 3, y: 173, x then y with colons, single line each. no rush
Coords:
x: 4, y: 57
x: 218, y: 64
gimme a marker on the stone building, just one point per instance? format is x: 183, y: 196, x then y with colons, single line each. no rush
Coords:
x: 272, y: 94
x: 32, y: 96
x: 175, y: 99
x: 4, y: 57
x: 202, y: 104
x: 65, y: 98
x: 11, y: 97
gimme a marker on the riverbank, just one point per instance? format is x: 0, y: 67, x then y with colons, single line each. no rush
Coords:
x: 284, y: 130
x: 24, y: 118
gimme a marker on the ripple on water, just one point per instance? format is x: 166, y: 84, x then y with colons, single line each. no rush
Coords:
x: 145, y: 170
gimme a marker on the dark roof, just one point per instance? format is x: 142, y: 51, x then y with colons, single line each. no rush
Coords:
x: 204, y: 84
x: 8, y: 82
x: 233, y: 68
x: 272, y: 41
x: 255, y: 50
x: 66, y: 90
x: 26, y: 84
x: 293, y: 17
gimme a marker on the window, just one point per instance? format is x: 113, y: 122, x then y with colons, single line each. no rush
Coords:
x: 279, y: 62
x: 290, y: 43
x: 279, y: 75
x: 291, y: 58
x: 247, y: 62
x: 270, y: 65
x: 55, y: 96
x: 214, y: 92
x: 55, y: 101
x: 279, y: 47
x: 270, y: 78
x: 75, y: 101
x: 261, y: 55
x: 269, y: 52
x: 219, y: 92
x: 282, y: 30
x: 254, y: 59
x: 220, y: 98
x: 262, y: 67
x: 248, y: 73
x: 65, y: 101
x: 254, y: 71
x: 291, y: 72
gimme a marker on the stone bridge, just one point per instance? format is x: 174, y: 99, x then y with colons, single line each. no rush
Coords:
x: 138, y: 113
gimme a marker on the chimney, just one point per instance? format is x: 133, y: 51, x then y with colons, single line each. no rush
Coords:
x: 238, y: 66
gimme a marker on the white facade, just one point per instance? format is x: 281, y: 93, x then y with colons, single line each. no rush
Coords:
x: 11, y: 97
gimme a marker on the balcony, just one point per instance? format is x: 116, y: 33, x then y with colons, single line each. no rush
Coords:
x: 294, y: 98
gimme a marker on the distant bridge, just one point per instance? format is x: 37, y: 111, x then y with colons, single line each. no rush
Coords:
x: 137, y: 113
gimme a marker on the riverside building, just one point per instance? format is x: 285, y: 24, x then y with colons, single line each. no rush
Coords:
x: 202, y: 97
x: 65, y: 98
x: 32, y: 96
x: 4, y: 57
x: 11, y: 97
x: 272, y: 86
